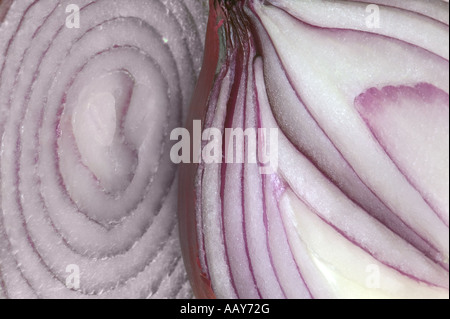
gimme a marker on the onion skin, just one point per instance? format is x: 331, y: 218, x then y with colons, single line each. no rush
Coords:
x: 187, y: 173
x: 88, y: 195
x: 320, y: 181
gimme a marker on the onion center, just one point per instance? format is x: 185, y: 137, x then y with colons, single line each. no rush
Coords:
x: 96, y: 120
x: 99, y: 117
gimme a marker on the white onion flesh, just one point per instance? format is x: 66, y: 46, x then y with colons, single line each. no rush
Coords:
x: 85, y: 115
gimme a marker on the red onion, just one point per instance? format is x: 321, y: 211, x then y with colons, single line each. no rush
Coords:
x: 358, y: 204
x: 89, y: 92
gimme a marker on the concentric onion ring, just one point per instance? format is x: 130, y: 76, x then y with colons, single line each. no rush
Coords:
x: 86, y: 178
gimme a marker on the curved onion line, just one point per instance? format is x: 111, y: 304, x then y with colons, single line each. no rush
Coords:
x: 444, y: 60
x: 225, y: 110
x: 420, y: 241
x: 46, y: 222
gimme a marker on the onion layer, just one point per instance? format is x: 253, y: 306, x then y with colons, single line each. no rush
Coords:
x: 88, y: 191
x: 358, y: 204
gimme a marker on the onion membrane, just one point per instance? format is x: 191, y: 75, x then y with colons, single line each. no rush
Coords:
x: 358, y: 205
x: 87, y: 101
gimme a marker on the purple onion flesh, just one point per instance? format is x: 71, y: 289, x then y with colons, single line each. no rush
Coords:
x: 357, y: 205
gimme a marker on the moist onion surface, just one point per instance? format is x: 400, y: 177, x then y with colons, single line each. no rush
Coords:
x: 357, y: 204
x: 87, y: 186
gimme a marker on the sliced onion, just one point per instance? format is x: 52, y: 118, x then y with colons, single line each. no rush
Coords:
x: 87, y: 185
x: 358, y: 204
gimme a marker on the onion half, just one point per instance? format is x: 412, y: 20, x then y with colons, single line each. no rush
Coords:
x: 358, y: 205
x: 88, y: 191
